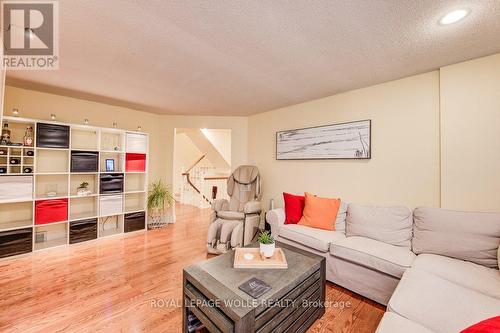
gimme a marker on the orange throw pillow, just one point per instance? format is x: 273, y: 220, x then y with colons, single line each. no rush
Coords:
x: 319, y: 212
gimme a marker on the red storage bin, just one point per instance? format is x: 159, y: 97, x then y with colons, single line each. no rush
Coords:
x: 50, y: 211
x: 135, y: 162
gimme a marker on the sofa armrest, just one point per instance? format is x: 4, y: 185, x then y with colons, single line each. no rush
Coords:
x: 252, y: 207
x: 276, y: 218
x: 220, y: 205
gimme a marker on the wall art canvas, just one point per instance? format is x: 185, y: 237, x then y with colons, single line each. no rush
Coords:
x: 337, y: 141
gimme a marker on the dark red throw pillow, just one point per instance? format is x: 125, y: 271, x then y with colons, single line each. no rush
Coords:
x: 294, y: 206
x: 491, y: 325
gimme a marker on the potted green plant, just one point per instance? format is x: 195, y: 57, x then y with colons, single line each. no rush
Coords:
x: 83, y: 189
x: 266, y: 243
x: 159, y: 199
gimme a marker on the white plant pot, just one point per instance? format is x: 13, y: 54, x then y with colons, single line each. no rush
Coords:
x: 267, y: 250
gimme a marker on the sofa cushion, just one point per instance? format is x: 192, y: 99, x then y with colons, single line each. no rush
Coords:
x: 392, y: 225
x: 230, y: 215
x: 341, y: 216
x: 386, y: 258
x: 316, y: 239
x: 468, y: 236
x: 466, y: 274
x: 491, y: 325
x: 439, y: 304
x: 394, y: 323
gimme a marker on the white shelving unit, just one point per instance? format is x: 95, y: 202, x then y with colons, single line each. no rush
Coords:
x: 51, y: 174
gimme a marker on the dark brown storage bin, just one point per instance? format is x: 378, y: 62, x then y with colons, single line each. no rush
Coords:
x: 111, y: 183
x: 83, y: 230
x: 52, y: 136
x: 14, y: 242
x: 135, y: 221
x: 84, y: 161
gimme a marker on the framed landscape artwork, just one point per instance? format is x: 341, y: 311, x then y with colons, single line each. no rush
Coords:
x: 337, y: 141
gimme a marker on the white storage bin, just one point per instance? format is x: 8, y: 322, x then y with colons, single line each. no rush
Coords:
x: 111, y: 205
x: 136, y: 143
x: 16, y: 188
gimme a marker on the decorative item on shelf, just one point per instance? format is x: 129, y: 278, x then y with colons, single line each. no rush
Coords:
x: 139, y: 128
x: 27, y: 170
x: 15, y: 112
x: 83, y: 190
x: 5, y: 140
x: 86, y: 121
x: 110, y: 164
x: 40, y: 236
x: 3, y: 170
x: 159, y: 199
x: 271, y: 204
x: 115, y: 124
x: 3, y: 152
x: 28, y: 137
x: 14, y: 160
x: 53, y: 116
x: 30, y: 153
x: 266, y: 243
x: 51, y: 190
x: 116, y: 148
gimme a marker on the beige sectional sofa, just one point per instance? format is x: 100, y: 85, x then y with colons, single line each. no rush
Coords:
x: 435, y: 269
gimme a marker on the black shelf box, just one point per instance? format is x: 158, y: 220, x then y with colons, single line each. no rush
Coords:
x: 52, y: 136
x: 135, y: 221
x: 111, y: 183
x: 15, y: 242
x: 84, y: 161
x: 83, y: 230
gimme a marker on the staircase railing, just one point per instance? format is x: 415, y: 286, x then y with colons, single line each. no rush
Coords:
x: 199, y: 182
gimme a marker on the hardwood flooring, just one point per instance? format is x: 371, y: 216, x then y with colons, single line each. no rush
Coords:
x: 124, y: 284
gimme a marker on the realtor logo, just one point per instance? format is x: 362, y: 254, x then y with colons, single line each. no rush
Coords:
x: 30, y: 34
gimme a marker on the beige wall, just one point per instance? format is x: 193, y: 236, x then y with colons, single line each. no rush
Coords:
x: 237, y: 125
x: 470, y: 134
x: 39, y: 105
x: 221, y: 140
x: 404, y: 168
x: 435, y: 138
x: 186, y: 153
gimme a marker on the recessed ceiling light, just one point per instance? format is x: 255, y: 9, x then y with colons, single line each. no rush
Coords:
x: 453, y: 16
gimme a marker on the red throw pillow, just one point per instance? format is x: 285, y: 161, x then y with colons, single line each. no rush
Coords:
x: 294, y: 206
x: 491, y: 325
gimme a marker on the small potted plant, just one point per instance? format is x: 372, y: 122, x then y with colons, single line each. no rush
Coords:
x: 266, y: 242
x: 83, y: 189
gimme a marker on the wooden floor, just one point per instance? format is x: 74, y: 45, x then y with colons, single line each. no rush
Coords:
x: 111, y: 285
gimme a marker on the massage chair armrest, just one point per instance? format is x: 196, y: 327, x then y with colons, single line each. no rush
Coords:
x: 275, y: 218
x: 220, y: 205
x: 252, y: 207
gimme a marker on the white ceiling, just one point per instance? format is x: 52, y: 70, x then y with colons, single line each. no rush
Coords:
x: 242, y: 57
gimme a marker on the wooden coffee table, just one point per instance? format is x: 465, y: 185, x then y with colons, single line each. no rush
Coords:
x: 295, y: 301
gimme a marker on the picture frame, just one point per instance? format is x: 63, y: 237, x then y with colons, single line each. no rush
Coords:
x: 110, y: 164
x: 349, y: 140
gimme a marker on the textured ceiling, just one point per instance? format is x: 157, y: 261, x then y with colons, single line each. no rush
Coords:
x: 243, y: 57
